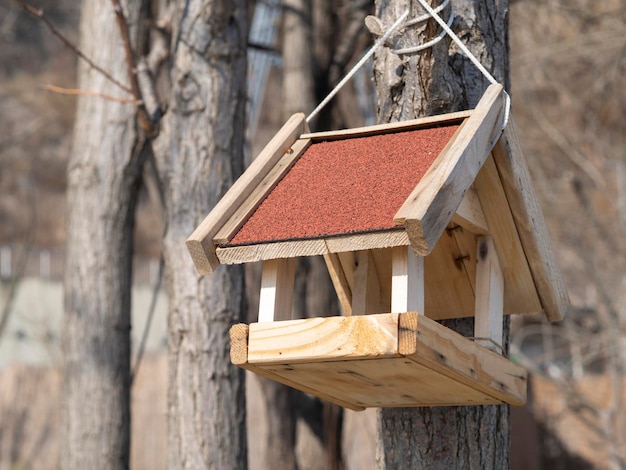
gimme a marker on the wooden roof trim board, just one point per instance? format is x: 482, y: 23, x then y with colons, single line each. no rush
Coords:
x: 263, y: 188
x: 531, y: 226
x: 436, y: 197
x: 377, y: 129
x: 200, y: 243
x: 311, y: 247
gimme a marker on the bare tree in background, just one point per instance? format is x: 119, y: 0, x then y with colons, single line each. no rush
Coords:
x: 196, y: 49
x: 436, y: 81
x: 103, y: 177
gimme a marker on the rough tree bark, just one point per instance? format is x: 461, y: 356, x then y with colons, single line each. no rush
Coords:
x: 435, y: 81
x: 199, y: 153
x: 103, y: 177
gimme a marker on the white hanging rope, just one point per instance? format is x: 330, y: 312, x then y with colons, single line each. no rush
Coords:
x: 421, y: 19
x: 446, y: 29
x: 470, y: 56
x: 357, y: 66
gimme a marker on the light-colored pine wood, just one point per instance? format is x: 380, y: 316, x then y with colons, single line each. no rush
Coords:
x: 533, y: 233
x: 366, y: 286
x: 379, y: 360
x: 435, y: 346
x: 323, y: 339
x: 367, y: 241
x: 277, y: 282
x: 311, y: 247
x: 433, y: 202
x: 265, y: 251
x: 239, y: 357
x: 389, y: 127
x: 470, y: 214
x: 260, y: 191
x: 340, y: 282
x: 200, y: 242
x: 489, y: 295
x: 449, y: 291
x: 520, y: 294
x: 407, y: 284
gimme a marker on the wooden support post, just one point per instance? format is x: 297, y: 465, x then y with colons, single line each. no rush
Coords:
x: 489, y: 295
x: 366, y: 286
x: 276, y: 299
x: 407, y: 281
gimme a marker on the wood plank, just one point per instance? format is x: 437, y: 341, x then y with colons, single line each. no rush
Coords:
x: 258, y: 194
x: 520, y: 294
x: 433, y: 202
x: 277, y: 283
x: 323, y: 339
x: 239, y: 357
x: 530, y: 223
x: 439, y: 348
x: 470, y: 214
x: 311, y: 247
x: 407, y: 284
x: 367, y: 241
x: 360, y: 362
x: 383, y: 382
x: 200, y: 242
x: 449, y: 291
x: 265, y: 251
x: 366, y: 286
x: 489, y: 295
x: 367, y: 131
x: 340, y: 282
x: 382, y: 261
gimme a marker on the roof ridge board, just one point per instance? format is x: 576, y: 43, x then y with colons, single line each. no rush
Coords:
x: 389, y: 127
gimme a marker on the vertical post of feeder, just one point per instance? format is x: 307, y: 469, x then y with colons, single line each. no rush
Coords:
x: 277, y: 280
x: 407, y: 280
x: 489, y: 306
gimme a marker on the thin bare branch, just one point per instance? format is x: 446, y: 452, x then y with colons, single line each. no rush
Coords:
x: 144, y: 119
x: 78, y: 91
x: 38, y: 13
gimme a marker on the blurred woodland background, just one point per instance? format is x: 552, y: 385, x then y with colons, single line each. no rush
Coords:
x: 568, y: 62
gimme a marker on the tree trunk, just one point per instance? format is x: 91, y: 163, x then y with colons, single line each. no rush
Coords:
x: 436, y: 81
x: 103, y: 176
x: 199, y: 154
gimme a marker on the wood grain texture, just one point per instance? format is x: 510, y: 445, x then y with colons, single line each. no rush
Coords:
x: 340, y: 282
x: 323, y: 339
x: 200, y: 242
x: 382, y: 360
x: 378, y: 129
x: 520, y: 293
x: 489, y: 309
x: 530, y: 223
x: 470, y: 214
x: 277, y: 282
x: 407, y: 283
x: 437, y: 196
x: 456, y: 357
x: 312, y: 247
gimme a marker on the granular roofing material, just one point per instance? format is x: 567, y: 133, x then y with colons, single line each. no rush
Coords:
x: 347, y: 186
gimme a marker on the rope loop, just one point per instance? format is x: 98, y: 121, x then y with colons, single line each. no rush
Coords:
x: 376, y: 27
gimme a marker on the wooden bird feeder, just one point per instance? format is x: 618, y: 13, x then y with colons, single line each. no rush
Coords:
x: 417, y: 221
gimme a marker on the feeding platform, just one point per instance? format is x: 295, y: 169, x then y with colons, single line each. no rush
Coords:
x: 417, y: 221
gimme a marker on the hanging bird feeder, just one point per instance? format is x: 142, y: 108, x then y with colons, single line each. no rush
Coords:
x: 418, y: 221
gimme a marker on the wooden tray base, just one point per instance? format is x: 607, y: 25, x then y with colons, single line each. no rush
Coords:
x: 381, y: 360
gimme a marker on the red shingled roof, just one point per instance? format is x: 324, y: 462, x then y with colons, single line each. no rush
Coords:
x: 345, y: 186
